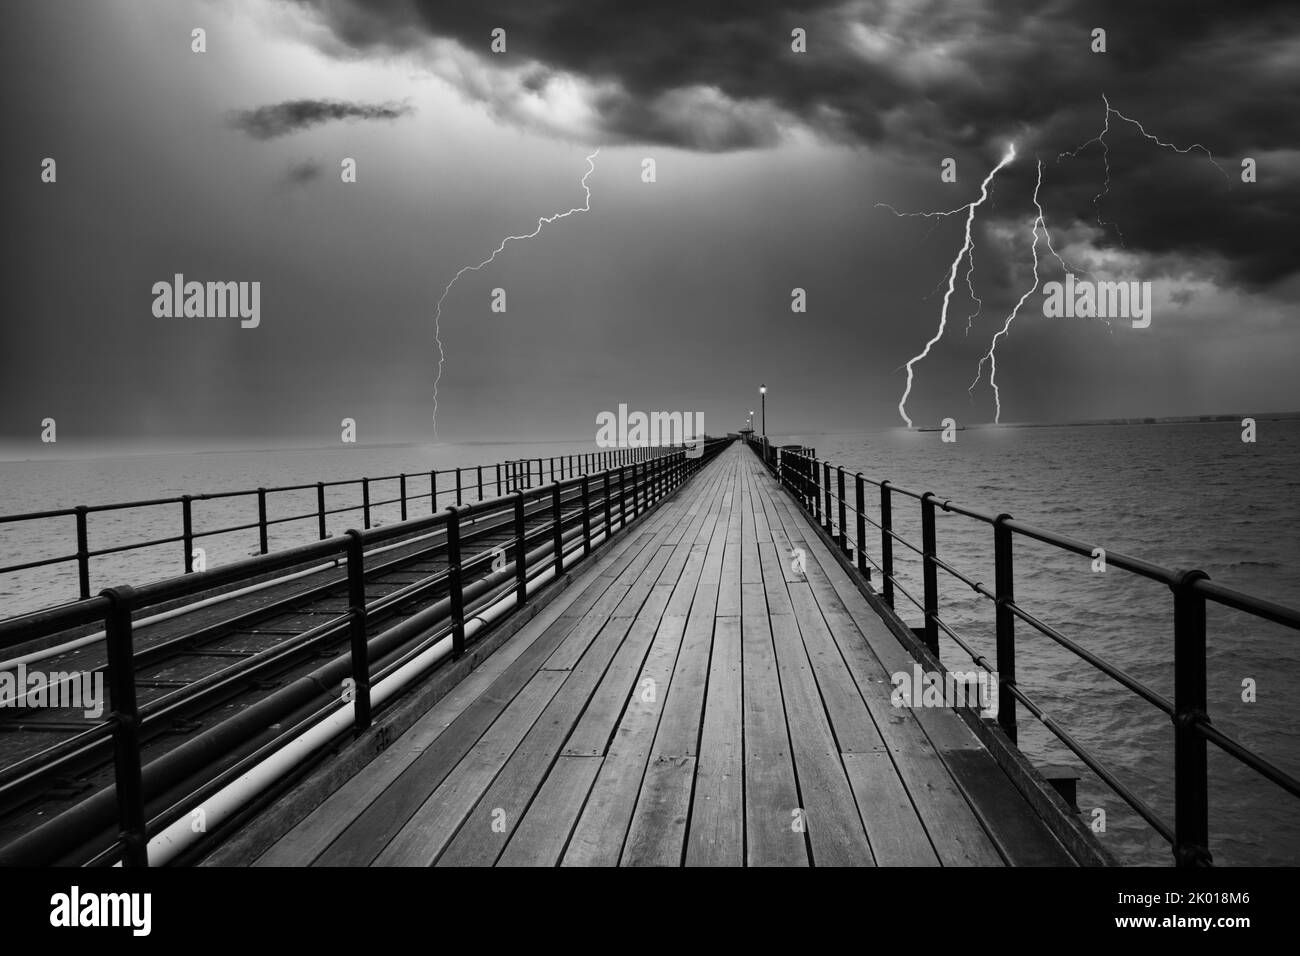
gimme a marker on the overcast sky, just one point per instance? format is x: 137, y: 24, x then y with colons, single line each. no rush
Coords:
x: 672, y: 295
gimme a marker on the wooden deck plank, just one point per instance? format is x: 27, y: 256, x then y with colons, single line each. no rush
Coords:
x: 771, y: 796
x: 729, y: 579
x: 540, y: 838
x: 830, y: 812
x: 599, y: 837
x: 602, y: 828
x: 658, y: 828
x: 423, y: 836
x: 679, y: 727
x: 489, y: 822
x: 717, y: 836
x: 894, y: 831
x: 855, y: 731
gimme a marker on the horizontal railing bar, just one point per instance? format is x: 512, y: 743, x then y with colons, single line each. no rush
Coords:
x: 1127, y: 795
x: 136, y: 546
x: 1261, y: 766
x: 1110, y: 670
x: 231, y: 530
x: 36, y: 515
x: 37, y: 564
x: 1237, y: 600
x: 1138, y: 566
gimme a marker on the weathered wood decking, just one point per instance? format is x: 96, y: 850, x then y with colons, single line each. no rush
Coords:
x: 689, y: 699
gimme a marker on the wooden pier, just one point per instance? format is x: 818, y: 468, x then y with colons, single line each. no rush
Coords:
x: 690, y: 698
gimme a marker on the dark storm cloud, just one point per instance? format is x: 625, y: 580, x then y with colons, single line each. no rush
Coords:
x: 927, y: 80
x: 281, y: 119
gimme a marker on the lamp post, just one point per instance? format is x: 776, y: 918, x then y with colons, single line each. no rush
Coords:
x: 762, y: 391
x: 751, y: 419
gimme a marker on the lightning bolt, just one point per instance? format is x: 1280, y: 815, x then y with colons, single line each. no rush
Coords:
x: 542, y: 222
x: 979, y: 303
x: 962, y: 253
x: 991, y: 356
x: 1100, y: 139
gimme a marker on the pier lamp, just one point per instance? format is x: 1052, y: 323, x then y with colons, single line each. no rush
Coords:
x: 762, y: 391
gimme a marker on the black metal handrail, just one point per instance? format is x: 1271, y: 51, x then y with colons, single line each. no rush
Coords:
x: 646, y: 480
x: 808, y: 478
x: 504, y: 476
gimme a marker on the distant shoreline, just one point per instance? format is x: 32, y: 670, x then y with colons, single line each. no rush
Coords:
x: 1157, y: 420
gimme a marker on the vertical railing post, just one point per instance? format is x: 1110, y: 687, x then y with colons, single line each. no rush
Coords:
x: 433, y: 491
x: 261, y: 520
x: 125, y: 716
x: 320, y: 510
x: 83, y: 553
x: 887, y: 542
x: 930, y: 574
x: 844, y: 528
x: 1005, y: 621
x: 480, y: 482
x: 622, y: 496
x: 357, y: 631
x: 586, y: 515
x: 365, y: 501
x: 498, y: 479
x: 458, y: 501
x: 402, y: 487
x: 1191, y: 777
x: 556, y: 531
x: 609, y: 527
x: 859, y: 502
x: 187, y: 532
x: 828, y: 520
x: 456, y: 584
x: 521, y: 571
x: 815, y: 487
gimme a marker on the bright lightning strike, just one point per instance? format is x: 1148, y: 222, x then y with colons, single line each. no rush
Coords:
x: 962, y: 253
x: 541, y: 222
x: 1100, y: 139
x: 992, y: 355
x: 970, y: 287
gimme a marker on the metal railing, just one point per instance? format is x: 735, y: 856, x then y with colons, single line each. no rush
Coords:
x: 819, y: 488
x: 409, y: 489
x: 473, y: 583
